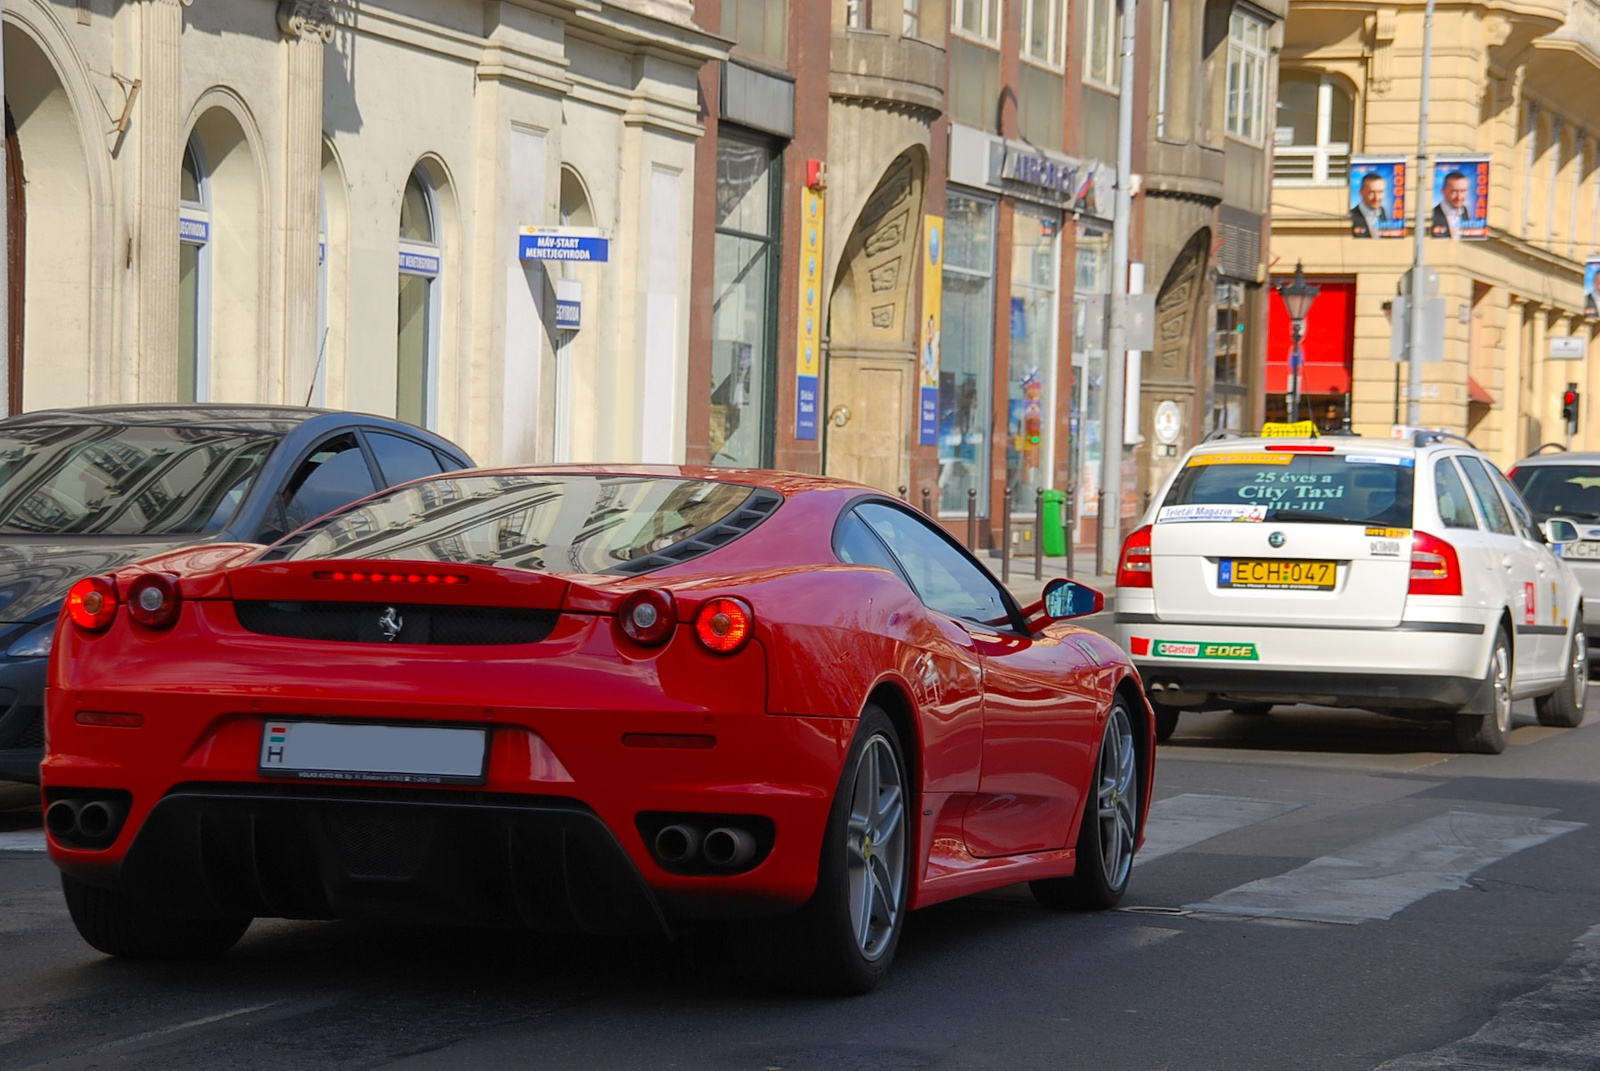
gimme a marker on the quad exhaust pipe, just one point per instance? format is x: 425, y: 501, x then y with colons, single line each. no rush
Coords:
x: 85, y: 823
x: 689, y: 846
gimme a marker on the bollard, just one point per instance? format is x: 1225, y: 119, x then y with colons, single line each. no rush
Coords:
x: 927, y: 502
x: 972, y: 519
x: 1038, y: 534
x: 1005, y: 536
x: 903, y: 492
x: 1069, y: 522
x: 1146, y: 502
x: 1099, y: 534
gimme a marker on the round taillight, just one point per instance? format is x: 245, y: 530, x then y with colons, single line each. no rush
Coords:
x: 647, y: 617
x: 724, y: 625
x: 92, y: 603
x: 153, y: 600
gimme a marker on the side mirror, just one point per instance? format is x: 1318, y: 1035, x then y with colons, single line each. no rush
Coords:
x: 1067, y: 599
x: 1558, y: 530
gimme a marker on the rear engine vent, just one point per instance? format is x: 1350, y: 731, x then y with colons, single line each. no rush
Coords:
x: 761, y: 504
x: 348, y: 622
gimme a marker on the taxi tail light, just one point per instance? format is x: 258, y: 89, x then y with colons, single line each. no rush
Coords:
x: 154, y: 600
x: 1435, y: 568
x: 92, y: 603
x: 647, y: 618
x: 1133, y: 568
x: 723, y: 626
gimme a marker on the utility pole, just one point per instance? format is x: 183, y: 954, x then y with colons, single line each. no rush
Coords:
x: 1421, y: 189
x: 1110, y: 537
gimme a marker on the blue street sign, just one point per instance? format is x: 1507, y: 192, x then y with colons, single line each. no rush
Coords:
x: 553, y: 244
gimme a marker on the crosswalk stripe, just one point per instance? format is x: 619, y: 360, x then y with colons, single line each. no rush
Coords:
x: 1379, y: 877
x: 1180, y: 822
x: 1556, y: 1025
x: 32, y: 841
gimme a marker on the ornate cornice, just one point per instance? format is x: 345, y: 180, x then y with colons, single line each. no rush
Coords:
x: 307, y: 20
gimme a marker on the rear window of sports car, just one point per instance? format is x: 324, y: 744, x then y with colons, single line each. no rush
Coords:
x: 541, y: 522
x: 1350, y: 488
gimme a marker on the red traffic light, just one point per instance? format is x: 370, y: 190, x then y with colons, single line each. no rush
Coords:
x: 1569, y: 398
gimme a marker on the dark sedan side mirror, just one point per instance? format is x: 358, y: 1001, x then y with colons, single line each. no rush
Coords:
x: 1065, y: 599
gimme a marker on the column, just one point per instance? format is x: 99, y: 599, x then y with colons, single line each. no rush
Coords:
x: 160, y: 149
x: 307, y: 26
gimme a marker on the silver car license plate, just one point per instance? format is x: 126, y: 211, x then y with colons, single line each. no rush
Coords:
x: 1589, y: 549
x: 345, y: 751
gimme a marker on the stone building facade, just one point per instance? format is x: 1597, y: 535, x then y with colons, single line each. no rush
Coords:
x: 283, y: 200
x: 1512, y: 91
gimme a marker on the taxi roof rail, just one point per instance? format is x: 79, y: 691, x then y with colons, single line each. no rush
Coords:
x: 1425, y: 436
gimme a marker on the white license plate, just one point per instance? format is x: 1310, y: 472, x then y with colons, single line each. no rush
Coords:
x: 404, y: 754
x: 1587, y: 549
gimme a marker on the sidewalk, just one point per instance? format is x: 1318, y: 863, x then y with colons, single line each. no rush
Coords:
x: 1026, y: 590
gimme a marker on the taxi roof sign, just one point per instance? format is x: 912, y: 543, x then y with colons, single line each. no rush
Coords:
x: 1301, y: 429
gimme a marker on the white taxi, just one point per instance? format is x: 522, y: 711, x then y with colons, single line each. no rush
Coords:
x: 1402, y: 576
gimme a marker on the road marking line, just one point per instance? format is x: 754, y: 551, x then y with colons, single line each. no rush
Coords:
x: 32, y: 841
x: 1556, y: 1025
x: 1380, y: 877
x: 1180, y: 822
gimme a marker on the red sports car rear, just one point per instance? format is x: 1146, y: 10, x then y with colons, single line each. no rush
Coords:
x: 592, y: 700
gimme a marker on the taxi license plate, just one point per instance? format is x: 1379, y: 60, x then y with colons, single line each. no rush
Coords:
x: 396, y: 754
x: 1275, y: 574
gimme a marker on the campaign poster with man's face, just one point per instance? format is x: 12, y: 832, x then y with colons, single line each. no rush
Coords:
x: 1377, y: 197
x: 1460, y: 198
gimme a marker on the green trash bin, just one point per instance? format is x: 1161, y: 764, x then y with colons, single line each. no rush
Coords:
x: 1052, y: 533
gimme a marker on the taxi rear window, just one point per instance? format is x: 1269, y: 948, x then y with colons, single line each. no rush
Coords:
x: 1371, y: 489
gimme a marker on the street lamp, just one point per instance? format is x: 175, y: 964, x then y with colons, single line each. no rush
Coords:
x: 1297, y: 297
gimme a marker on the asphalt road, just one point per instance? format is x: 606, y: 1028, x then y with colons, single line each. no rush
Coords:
x: 1319, y: 891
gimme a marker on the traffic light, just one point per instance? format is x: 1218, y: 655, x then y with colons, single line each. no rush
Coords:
x: 1569, y: 408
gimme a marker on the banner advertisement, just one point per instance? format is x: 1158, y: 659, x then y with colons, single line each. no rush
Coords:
x: 808, y: 355
x: 933, y: 317
x: 1460, y: 198
x: 1377, y: 197
x: 1591, y: 281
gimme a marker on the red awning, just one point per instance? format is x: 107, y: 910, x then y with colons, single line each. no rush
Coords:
x: 1476, y: 393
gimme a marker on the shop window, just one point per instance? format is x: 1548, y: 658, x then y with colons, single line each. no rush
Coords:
x: 194, y: 277
x: 1312, y: 136
x: 1030, y: 401
x: 417, y: 351
x: 966, y: 361
x: 1247, y: 77
x: 744, y: 306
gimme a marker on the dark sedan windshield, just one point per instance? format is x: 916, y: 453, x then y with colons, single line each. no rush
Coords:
x: 1571, y: 491
x: 125, y: 481
x: 543, y: 522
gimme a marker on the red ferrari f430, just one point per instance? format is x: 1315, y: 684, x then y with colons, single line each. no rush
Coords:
x: 604, y: 700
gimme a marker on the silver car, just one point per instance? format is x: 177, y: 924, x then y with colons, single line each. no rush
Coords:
x: 1567, y: 485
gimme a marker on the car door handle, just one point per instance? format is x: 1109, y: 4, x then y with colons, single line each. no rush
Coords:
x: 1506, y: 561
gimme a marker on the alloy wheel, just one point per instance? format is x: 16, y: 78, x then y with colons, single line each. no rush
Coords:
x: 875, y: 848
x: 1117, y: 798
x: 1502, y: 688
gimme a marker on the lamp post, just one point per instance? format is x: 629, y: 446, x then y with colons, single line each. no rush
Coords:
x: 1297, y: 295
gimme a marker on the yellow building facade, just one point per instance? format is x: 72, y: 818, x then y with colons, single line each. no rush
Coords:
x: 1513, y: 84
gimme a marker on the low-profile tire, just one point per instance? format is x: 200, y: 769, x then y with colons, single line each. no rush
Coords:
x: 1110, y: 826
x: 1253, y: 710
x: 1485, y: 734
x: 1563, y: 708
x: 1166, y: 721
x: 844, y: 939
x: 118, y: 925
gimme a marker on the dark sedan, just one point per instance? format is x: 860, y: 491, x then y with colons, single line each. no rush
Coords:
x: 83, y: 491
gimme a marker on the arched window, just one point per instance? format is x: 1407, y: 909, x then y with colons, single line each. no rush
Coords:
x: 194, y: 278
x: 418, y: 334
x: 1316, y: 115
